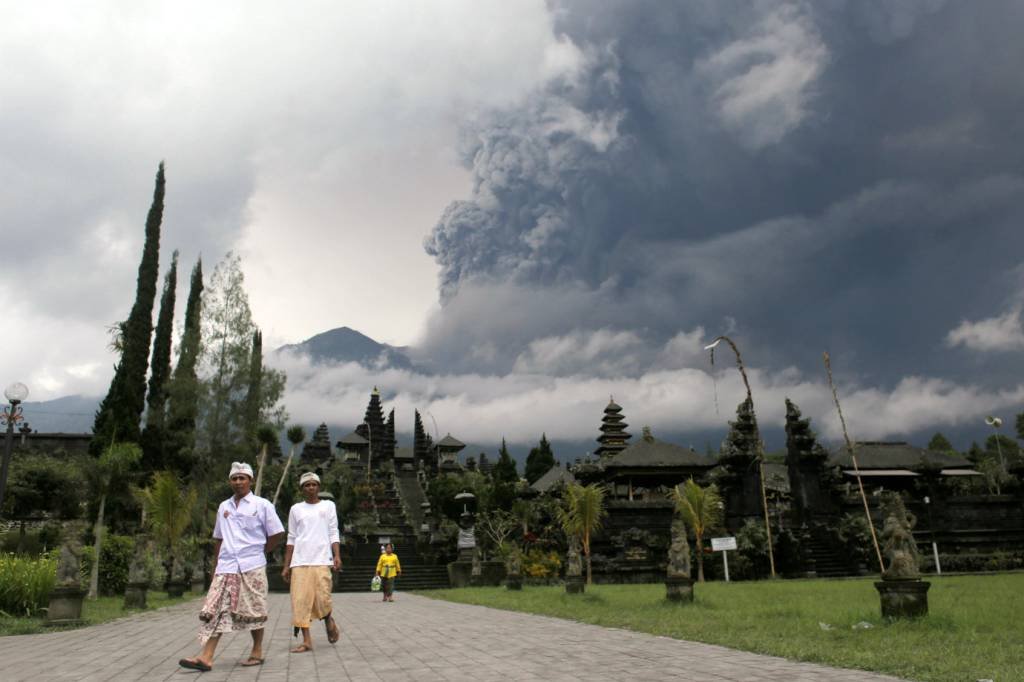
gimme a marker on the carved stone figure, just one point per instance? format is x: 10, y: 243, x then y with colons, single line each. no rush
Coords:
x: 901, y: 557
x: 477, y: 565
x: 138, y: 570
x: 467, y: 532
x: 70, y: 561
x: 679, y: 552
x: 573, y: 565
x: 514, y: 562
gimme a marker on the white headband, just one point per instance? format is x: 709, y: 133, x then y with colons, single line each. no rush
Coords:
x: 308, y: 476
x: 240, y: 468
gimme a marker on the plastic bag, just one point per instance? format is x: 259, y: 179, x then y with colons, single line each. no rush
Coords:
x: 375, y: 584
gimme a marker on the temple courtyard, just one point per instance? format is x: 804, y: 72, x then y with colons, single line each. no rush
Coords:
x: 414, y: 638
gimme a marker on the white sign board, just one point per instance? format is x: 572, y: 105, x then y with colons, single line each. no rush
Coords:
x: 720, y: 544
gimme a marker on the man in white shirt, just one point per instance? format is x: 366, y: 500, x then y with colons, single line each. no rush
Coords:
x: 247, y: 528
x: 313, y: 550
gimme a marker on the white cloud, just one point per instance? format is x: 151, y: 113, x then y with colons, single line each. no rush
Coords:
x: 1001, y: 333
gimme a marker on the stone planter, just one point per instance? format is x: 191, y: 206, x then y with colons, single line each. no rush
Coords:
x: 514, y: 582
x: 135, y: 595
x: 574, y: 584
x: 903, y: 598
x: 65, y: 606
x: 679, y: 589
x: 176, y: 588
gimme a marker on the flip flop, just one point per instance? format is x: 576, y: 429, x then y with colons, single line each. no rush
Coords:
x: 300, y: 649
x: 195, y: 664
x: 251, y: 661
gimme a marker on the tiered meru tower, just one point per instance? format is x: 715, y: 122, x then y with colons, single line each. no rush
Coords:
x: 613, y: 432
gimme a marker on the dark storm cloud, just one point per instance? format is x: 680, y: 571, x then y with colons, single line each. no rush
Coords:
x: 828, y: 175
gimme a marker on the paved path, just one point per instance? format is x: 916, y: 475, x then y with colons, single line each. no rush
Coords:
x: 414, y: 638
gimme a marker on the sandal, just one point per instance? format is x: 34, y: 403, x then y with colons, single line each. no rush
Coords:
x: 194, y: 664
x: 333, y: 632
x: 300, y: 649
x: 251, y: 661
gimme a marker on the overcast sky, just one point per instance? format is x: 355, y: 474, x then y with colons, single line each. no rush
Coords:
x: 552, y: 202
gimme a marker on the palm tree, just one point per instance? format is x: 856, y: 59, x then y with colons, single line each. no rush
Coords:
x: 583, y: 514
x: 168, y: 509
x: 296, y: 434
x: 109, y: 471
x: 701, y: 509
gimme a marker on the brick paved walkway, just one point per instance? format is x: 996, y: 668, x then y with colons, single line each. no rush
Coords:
x: 414, y: 638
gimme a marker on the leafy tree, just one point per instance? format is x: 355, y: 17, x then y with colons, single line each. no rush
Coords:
x: 169, y: 510
x: 39, y: 485
x: 940, y: 443
x: 540, y: 460
x: 497, y: 526
x: 183, y: 388
x: 702, y: 510
x: 583, y: 515
x: 505, y: 468
x: 153, y: 434
x: 117, y: 418
x: 109, y: 472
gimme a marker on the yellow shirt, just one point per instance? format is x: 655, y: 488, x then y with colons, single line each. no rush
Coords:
x: 388, y: 566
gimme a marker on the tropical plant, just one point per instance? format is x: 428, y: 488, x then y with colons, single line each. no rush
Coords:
x: 265, y: 435
x: 109, y: 471
x: 583, y: 515
x: 168, y: 508
x: 702, y: 510
x: 26, y: 582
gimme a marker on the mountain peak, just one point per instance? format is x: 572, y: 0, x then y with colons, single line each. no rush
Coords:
x: 344, y: 344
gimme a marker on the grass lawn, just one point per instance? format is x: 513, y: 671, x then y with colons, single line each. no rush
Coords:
x: 974, y: 630
x: 94, y: 611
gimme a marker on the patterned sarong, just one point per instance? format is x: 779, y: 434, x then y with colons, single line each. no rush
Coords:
x: 235, y: 602
x: 311, y: 594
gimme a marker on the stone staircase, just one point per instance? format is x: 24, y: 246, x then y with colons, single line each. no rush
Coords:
x: 828, y: 561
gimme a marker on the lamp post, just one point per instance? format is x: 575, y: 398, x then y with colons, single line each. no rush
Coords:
x: 995, y: 423
x: 16, y: 394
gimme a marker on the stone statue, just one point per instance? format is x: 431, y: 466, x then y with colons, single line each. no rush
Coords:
x: 70, y: 560
x: 514, y: 562
x: 138, y: 570
x: 477, y: 569
x: 573, y: 565
x: 467, y: 532
x: 898, y: 546
x: 679, y: 552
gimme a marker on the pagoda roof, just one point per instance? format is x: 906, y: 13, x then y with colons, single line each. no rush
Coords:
x: 555, y: 475
x: 353, y: 439
x: 449, y: 442
x: 613, y: 407
x: 895, y: 455
x: 651, y: 453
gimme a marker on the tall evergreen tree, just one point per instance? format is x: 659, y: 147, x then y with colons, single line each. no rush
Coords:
x: 153, y: 434
x: 183, y: 388
x: 940, y: 443
x: 252, y: 395
x: 118, y: 415
x: 540, y: 460
x: 505, y: 469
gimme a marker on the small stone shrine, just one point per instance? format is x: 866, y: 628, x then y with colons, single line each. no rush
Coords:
x: 574, y: 568
x: 678, y: 580
x: 66, y: 598
x: 902, y: 592
x: 138, y: 575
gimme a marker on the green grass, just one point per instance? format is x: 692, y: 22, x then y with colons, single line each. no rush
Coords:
x: 974, y: 630
x: 94, y: 611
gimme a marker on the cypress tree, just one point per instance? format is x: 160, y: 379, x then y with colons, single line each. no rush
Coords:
x: 183, y: 388
x: 540, y: 460
x: 153, y: 434
x: 252, y: 396
x: 119, y: 413
x: 505, y: 469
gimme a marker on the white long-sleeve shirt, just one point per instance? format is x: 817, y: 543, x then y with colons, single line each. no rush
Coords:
x: 312, y: 528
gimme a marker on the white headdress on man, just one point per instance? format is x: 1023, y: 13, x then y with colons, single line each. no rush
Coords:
x: 240, y: 468
x: 308, y: 476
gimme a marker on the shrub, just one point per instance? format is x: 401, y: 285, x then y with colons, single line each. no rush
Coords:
x: 116, y: 558
x: 540, y: 564
x: 25, y: 583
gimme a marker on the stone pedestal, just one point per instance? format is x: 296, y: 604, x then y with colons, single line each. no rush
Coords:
x: 903, y: 598
x: 574, y: 584
x: 460, y: 573
x: 198, y: 585
x: 679, y: 589
x: 275, y: 583
x: 135, y: 595
x: 514, y: 582
x: 176, y: 588
x: 65, y: 606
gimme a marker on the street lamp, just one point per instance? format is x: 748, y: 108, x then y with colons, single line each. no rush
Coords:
x: 995, y: 423
x: 16, y: 394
